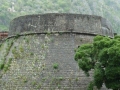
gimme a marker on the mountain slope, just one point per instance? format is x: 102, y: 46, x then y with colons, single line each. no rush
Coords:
x: 13, y: 8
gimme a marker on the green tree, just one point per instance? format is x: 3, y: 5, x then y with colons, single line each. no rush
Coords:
x: 103, y: 55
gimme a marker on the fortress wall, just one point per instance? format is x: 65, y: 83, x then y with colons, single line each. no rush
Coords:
x: 36, y: 56
x: 60, y: 23
x: 33, y: 68
x: 47, y: 50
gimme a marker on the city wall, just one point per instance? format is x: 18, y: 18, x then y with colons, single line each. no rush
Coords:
x: 52, y: 39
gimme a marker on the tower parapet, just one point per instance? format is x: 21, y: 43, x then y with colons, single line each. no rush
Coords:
x: 76, y: 23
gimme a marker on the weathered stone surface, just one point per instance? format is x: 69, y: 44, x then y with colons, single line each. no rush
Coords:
x: 61, y: 23
x: 44, y: 59
x: 47, y: 50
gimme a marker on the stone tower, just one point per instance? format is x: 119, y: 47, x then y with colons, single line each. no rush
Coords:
x: 41, y: 51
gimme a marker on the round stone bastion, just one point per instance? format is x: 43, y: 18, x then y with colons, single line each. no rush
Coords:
x: 41, y: 51
x: 74, y: 23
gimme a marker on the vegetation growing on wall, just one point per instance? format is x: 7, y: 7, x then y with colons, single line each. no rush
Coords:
x: 20, y: 56
x: 4, y: 65
x: 26, y: 65
x: 103, y: 55
x: 55, y: 65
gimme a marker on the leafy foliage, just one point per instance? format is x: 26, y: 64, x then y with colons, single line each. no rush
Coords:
x: 55, y: 65
x: 10, y: 9
x: 103, y: 55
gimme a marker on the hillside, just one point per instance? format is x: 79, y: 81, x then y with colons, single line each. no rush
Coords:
x: 13, y: 8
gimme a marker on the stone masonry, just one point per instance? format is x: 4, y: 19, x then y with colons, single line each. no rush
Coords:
x: 44, y: 45
x: 79, y: 23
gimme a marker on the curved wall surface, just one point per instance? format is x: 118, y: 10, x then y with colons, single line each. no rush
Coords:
x: 61, y: 23
x: 43, y: 55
